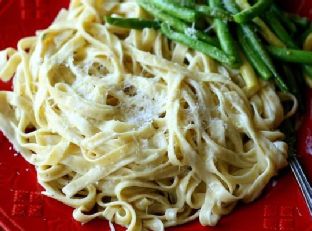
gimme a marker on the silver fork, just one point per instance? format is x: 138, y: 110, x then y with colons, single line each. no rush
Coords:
x: 302, y: 180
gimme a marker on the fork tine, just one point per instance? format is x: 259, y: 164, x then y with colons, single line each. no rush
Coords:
x: 302, y: 180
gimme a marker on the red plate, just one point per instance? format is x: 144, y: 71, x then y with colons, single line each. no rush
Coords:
x: 281, y: 207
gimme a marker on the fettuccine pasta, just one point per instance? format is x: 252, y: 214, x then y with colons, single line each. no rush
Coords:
x: 128, y: 126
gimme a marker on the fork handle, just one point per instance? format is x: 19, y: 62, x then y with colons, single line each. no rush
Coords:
x: 303, y: 182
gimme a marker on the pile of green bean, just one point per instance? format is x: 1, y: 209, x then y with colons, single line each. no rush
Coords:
x: 267, y: 36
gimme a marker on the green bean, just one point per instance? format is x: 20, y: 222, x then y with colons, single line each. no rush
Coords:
x: 272, y: 20
x: 213, y: 13
x: 176, y: 23
x: 291, y: 79
x: 227, y: 42
x: 294, y: 81
x: 196, y: 44
x: 289, y: 24
x: 176, y: 10
x: 256, y: 44
x: 252, y: 12
x: 290, y: 55
x: 304, y: 58
x: 188, y: 3
x: 133, y: 23
x: 307, y: 69
x: 185, y: 3
x: 253, y: 58
x: 281, y: 84
x: 251, y: 36
x: 231, y: 6
x: 300, y: 21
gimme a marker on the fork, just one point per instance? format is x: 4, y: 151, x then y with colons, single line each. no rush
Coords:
x: 295, y: 165
x: 302, y: 180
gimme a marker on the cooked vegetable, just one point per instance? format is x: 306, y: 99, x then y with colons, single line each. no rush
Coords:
x: 308, y: 70
x: 186, y: 3
x: 292, y: 82
x: 213, y: 36
x: 267, y: 34
x: 213, y: 12
x: 272, y: 20
x: 196, y: 44
x: 226, y: 40
x: 254, y: 11
x: 256, y: 44
x: 299, y: 21
x: 177, y: 24
x: 252, y: 56
x: 176, y: 10
x: 291, y: 55
x: 133, y: 23
x: 288, y: 23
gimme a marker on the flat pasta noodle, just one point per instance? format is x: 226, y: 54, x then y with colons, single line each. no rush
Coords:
x: 126, y: 125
